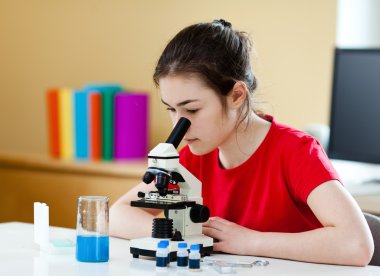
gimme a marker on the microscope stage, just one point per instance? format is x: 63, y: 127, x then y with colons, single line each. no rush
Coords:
x: 161, y: 204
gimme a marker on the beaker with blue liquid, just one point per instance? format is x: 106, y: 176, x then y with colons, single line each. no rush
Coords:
x: 92, y: 229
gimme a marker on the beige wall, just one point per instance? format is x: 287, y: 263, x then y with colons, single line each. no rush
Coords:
x: 69, y: 43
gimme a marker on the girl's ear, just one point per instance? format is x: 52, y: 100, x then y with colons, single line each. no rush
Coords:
x: 237, y: 95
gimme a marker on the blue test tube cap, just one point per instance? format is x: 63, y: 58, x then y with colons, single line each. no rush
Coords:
x: 163, y: 244
x: 195, y: 247
x: 182, y: 245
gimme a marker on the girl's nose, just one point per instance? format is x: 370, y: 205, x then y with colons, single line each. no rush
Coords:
x: 177, y: 116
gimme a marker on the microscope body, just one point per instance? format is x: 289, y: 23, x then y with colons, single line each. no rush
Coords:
x: 179, y: 195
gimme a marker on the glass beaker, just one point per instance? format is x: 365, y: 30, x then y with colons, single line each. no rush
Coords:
x: 92, y: 229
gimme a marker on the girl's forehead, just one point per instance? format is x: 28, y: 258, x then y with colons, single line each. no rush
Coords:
x: 182, y: 79
x: 181, y: 96
x: 175, y: 89
x: 183, y: 86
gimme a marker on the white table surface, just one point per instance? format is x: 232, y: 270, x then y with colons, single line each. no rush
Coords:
x: 359, y: 178
x: 19, y: 256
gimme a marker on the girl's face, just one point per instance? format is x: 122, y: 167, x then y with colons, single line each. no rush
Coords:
x: 187, y: 96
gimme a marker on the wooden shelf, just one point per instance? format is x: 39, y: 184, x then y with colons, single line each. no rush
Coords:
x: 27, y: 178
x: 130, y: 168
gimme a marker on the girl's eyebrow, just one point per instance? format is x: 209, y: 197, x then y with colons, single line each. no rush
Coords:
x: 181, y: 103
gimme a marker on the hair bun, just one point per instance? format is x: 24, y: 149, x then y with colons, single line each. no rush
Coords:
x: 223, y: 22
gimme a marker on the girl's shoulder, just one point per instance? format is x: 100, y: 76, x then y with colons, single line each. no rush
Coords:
x: 290, y: 136
x: 285, y: 141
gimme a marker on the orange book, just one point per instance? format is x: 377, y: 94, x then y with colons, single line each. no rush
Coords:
x: 53, y: 121
x: 95, y: 124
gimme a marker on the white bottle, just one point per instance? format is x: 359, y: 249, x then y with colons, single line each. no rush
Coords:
x: 182, y: 255
x: 162, y: 255
x: 194, y: 258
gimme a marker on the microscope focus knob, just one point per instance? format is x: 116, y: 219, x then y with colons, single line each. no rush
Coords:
x: 199, y: 213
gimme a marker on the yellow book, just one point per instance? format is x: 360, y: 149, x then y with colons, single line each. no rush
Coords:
x: 65, y: 106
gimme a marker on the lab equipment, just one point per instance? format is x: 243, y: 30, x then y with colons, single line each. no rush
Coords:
x: 223, y: 267
x: 42, y: 235
x: 178, y: 194
x: 92, y: 229
x: 182, y: 255
x: 194, y: 258
x: 162, y: 255
x: 233, y: 261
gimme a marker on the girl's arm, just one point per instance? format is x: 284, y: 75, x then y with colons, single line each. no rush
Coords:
x: 131, y: 222
x: 345, y: 238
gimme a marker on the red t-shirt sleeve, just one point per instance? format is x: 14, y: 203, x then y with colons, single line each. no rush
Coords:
x: 308, y: 167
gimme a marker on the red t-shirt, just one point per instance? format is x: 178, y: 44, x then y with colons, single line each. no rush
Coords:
x: 268, y: 192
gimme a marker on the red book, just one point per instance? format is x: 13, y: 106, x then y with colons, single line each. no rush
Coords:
x: 95, y: 124
x: 53, y: 122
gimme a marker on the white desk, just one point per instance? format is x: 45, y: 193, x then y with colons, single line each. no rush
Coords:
x: 19, y: 257
x: 359, y: 178
x: 362, y: 180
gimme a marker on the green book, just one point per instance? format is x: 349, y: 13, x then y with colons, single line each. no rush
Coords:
x: 107, y: 124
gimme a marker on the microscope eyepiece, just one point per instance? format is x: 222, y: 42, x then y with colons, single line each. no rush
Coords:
x: 178, y: 132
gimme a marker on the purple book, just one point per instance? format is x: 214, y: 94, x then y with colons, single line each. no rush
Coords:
x: 131, y: 125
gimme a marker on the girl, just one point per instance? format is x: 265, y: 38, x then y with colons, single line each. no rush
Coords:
x: 271, y: 189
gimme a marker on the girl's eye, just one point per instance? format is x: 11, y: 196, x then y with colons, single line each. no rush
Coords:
x: 170, y: 109
x: 192, y: 111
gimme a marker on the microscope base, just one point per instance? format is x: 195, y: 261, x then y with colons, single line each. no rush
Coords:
x: 147, y: 246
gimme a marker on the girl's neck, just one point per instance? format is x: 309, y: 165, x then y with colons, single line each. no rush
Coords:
x: 244, y: 141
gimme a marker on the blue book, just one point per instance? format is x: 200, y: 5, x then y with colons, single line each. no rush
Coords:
x: 81, y: 125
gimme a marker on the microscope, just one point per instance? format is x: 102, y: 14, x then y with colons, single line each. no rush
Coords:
x: 178, y: 194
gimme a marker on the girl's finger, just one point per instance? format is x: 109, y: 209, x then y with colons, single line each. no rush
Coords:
x: 222, y: 220
x: 214, y: 223
x: 212, y: 232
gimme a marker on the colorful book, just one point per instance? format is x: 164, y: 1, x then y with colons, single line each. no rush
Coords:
x: 115, y: 87
x: 131, y: 125
x: 81, y: 125
x: 66, y: 134
x: 95, y: 125
x: 107, y: 92
x: 107, y: 124
x: 53, y: 121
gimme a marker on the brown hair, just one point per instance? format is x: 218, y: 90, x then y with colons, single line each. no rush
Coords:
x: 213, y: 51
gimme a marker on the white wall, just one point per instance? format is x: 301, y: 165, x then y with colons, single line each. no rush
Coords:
x: 358, y: 24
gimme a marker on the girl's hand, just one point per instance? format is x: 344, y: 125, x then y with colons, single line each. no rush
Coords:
x: 231, y: 237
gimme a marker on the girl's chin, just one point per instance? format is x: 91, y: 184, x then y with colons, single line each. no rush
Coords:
x: 198, y: 151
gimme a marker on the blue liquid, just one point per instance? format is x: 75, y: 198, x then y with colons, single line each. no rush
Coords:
x: 92, y: 248
x: 182, y: 261
x: 194, y: 263
x: 161, y: 261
